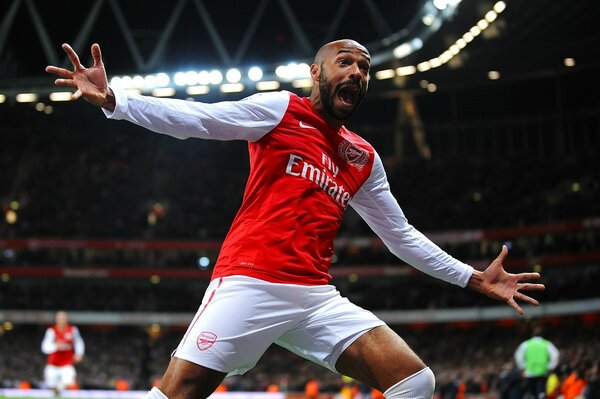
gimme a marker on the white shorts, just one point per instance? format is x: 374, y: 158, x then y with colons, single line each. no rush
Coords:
x: 60, y: 377
x: 240, y: 317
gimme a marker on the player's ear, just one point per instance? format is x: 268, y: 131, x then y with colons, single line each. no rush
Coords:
x: 315, y: 72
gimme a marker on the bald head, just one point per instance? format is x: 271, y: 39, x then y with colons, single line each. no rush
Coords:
x: 340, y: 74
x: 332, y: 48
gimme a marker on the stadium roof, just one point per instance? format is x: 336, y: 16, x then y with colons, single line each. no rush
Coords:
x: 528, y: 37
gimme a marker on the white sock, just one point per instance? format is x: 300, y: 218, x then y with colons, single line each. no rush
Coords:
x: 155, y: 393
x: 420, y: 385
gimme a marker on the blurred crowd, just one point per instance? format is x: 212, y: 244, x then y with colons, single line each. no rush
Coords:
x: 115, y: 180
x: 392, y: 292
x: 467, y: 358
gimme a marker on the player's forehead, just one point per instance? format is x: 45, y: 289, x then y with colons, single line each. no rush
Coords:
x: 355, y: 51
x: 345, y: 47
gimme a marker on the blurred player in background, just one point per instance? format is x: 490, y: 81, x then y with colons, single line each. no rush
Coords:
x: 536, y: 357
x: 271, y: 282
x: 65, y: 348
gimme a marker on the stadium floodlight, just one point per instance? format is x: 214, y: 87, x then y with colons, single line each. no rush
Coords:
x: 440, y: 4
x: 491, y: 16
x: 428, y: 19
x: 302, y: 83
x: 233, y: 75
x: 203, y: 262
x: 446, y: 56
x: 138, y: 81
x: 127, y: 82
x: 406, y: 70
x: 11, y: 216
x: 302, y: 70
x: 162, y: 79
x: 61, y: 96
x: 475, y: 31
x: 435, y: 62
x: 385, y: 74
x: 197, y: 90
x: 282, y: 72
x: 493, y: 75
x: 179, y: 79
x: 163, y: 92
x: 231, y: 88
x: 215, y: 77
x: 293, y: 71
x: 424, y: 66
x: 499, y: 7
x: 191, y: 78
x: 150, y: 81
x: 203, y: 78
x: 483, y: 24
x: 255, y: 74
x: 267, y: 85
x: 116, y: 82
x: 26, y: 97
x: 403, y: 50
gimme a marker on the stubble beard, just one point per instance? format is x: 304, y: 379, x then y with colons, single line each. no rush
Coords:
x: 327, y: 95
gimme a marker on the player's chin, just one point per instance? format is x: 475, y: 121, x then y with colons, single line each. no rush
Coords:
x: 345, y: 113
x: 343, y: 110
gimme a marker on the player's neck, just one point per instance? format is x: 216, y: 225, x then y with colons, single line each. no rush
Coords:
x: 317, y: 104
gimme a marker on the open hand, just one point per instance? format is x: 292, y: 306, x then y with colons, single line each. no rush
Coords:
x: 89, y: 83
x: 496, y: 283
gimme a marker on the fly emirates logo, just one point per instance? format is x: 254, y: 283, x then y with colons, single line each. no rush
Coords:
x: 323, y: 176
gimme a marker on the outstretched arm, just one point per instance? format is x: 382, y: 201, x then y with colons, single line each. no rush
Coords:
x: 496, y: 283
x: 89, y: 83
x: 250, y: 119
x: 375, y: 203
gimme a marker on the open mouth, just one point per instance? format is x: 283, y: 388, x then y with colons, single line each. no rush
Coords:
x: 348, y: 94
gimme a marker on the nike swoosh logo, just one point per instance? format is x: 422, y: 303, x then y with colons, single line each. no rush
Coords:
x: 305, y: 126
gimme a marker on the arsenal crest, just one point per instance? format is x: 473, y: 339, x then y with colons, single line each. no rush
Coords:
x: 205, y: 340
x: 353, y: 154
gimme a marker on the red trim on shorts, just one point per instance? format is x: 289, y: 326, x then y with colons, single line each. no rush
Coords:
x: 212, y: 294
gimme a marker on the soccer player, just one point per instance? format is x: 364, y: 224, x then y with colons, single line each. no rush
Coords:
x: 271, y: 281
x: 536, y: 357
x: 65, y: 347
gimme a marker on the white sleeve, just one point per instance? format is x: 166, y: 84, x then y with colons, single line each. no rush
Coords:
x: 79, y: 344
x: 520, y: 356
x: 375, y: 203
x: 248, y: 119
x: 554, y: 356
x: 49, y: 342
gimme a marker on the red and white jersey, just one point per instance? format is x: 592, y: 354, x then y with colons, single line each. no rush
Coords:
x: 62, y: 345
x: 303, y: 175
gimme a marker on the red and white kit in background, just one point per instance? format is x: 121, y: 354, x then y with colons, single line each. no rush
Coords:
x: 303, y: 175
x: 61, y: 346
